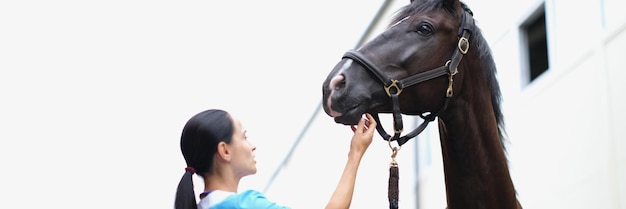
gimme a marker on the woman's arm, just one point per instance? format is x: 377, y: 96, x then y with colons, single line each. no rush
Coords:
x: 362, y: 138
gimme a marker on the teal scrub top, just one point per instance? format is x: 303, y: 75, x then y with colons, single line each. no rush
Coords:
x: 249, y: 199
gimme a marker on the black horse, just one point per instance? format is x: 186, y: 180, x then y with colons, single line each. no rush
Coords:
x: 433, y: 61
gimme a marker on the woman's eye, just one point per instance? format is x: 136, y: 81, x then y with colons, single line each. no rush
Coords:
x: 424, y: 29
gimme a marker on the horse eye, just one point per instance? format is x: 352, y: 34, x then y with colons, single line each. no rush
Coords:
x: 424, y: 29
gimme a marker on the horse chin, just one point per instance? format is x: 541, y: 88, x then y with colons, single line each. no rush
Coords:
x: 348, y: 119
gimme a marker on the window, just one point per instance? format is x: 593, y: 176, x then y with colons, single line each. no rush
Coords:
x: 534, y: 42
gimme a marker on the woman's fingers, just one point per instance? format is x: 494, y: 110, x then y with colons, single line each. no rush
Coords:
x: 371, y: 122
x: 366, y: 123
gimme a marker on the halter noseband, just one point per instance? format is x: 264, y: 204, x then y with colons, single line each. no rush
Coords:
x: 394, y: 87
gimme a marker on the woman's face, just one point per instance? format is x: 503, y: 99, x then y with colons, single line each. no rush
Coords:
x: 242, y: 157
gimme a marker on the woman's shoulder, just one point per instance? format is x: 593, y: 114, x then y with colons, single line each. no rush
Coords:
x: 213, y: 198
x: 247, y: 199
x: 252, y: 192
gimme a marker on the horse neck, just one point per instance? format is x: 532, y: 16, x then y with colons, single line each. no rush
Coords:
x: 475, y: 165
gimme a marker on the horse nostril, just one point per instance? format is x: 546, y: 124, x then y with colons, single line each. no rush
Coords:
x: 337, y: 82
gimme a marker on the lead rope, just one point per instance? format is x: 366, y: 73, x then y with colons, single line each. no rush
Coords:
x: 393, y: 178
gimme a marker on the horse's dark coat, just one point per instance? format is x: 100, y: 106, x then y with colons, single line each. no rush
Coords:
x: 422, y: 36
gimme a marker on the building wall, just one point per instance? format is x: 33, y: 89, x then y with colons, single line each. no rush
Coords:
x: 564, y: 127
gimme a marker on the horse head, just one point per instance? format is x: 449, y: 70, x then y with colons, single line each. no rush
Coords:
x: 422, y: 38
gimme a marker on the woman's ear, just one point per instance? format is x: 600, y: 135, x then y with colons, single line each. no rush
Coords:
x: 223, y: 152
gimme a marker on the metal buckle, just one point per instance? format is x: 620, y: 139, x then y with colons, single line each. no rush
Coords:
x: 394, y: 83
x: 463, y: 45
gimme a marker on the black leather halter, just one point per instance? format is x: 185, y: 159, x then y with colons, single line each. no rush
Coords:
x: 394, y: 87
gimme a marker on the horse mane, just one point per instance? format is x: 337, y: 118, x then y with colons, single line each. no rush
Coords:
x: 489, y: 69
x: 484, y: 54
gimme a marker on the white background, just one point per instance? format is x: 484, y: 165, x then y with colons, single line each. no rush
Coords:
x: 94, y: 94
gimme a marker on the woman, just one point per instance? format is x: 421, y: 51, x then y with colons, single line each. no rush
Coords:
x: 214, y: 146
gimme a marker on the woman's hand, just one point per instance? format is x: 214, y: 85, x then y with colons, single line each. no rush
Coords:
x: 363, y: 134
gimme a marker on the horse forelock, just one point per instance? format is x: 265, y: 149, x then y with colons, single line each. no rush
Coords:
x: 420, y: 7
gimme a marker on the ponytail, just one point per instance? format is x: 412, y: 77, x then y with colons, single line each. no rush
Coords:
x: 198, y: 144
x: 185, y: 195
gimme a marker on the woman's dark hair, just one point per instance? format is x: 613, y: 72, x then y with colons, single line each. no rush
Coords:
x: 198, y: 144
